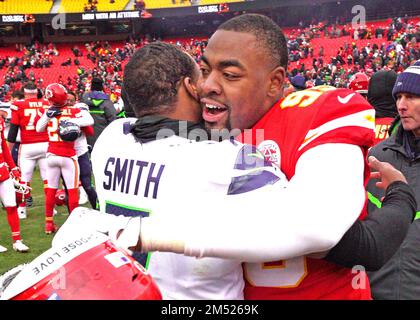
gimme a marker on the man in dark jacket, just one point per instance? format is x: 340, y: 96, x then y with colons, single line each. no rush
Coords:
x: 400, y: 277
x: 100, y: 107
x: 380, y: 97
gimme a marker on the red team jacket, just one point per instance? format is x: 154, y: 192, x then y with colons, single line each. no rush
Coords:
x: 301, y: 121
x: 25, y: 114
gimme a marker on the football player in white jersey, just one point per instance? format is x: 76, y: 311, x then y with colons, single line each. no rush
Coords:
x: 141, y: 172
x: 130, y: 170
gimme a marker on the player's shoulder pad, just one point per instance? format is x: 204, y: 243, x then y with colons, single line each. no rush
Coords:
x: 346, y: 97
x: 241, y: 167
x: 15, y: 105
x: 116, y: 129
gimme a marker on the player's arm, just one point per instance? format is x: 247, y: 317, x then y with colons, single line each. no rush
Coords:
x: 13, y: 132
x: 373, y: 241
x: 14, y: 125
x: 88, y: 131
x: 83, y: 119
x: 299, y: 220
x: 42, y: 123
x: 267, y: 224
x: 8, y: 157
x: 109, y: 111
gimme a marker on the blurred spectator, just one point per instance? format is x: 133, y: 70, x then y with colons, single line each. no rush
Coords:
x: 298, y: 82
x: 100, y: 107
x: 380, y: 97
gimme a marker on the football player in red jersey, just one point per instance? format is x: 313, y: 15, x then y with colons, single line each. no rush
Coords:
x: 9, y: 171
x: 33, y: 147
x: 320, y: 138
x: 62, y: 124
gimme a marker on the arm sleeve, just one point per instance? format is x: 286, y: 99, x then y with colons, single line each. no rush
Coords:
x: 13, y: 132
x: 42, y: 123
x: 83, y: 119
x: 6, y: 152
x: 373, y: 241
x: 88, y: 131
x: 110, y: 112
x: 272, y: 224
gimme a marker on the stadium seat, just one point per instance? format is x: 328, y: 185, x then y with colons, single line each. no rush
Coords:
x: 105, y: 5
x: 70, y: 6
x: 25, y: 7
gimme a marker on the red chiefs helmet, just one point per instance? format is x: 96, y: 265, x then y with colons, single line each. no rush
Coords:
x: 359, y: 82
x: 56, y: 94
x: 88, y: 267
x: 60, y: 197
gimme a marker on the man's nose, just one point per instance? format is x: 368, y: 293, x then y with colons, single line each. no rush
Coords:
x: 402, y: 104
x: 210, y: 85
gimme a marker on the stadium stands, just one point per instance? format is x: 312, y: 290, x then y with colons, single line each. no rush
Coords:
x: 194, y: 45
x: 155, y: 4
x: 106, y: 5
x: 26, y: 6
x: 68, y: 6
x: 71, y: 6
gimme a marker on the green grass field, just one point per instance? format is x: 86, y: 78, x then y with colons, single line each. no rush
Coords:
x: 32, y: 229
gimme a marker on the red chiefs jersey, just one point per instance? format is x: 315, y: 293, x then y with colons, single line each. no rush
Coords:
x: 5, y: 155
x: 381, y: 128
x: 56, y: 145
x: 25, y: 114
x: 301, y: 121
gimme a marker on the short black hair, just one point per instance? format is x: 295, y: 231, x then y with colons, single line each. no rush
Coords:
x: 265, y: 30
x: 152, y: 75
x: 72, y: 93
x: 30, y: 86
x: 18, y: 94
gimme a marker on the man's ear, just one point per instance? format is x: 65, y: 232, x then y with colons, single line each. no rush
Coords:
x: 190, y: 87
x: 277, y: 77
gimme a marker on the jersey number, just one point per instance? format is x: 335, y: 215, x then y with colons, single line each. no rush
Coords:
x: 31, y: 113
x: 53, y: 128
x: 304, y: 98
x: 280, y: 274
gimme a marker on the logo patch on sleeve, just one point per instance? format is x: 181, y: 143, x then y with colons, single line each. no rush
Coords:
x: 271, y: 151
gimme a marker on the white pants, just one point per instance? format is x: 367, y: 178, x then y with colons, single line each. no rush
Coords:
x: 31, y: 154
x: 58, y: 166
x: 7, y: 193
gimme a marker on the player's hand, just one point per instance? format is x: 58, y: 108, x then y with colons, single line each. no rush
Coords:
x: 53, y: 112
x: 123, y: 231
x: 385, y: 172
x: 15, y: 172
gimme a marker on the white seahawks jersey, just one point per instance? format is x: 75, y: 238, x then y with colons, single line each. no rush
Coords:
x: 161, y: 177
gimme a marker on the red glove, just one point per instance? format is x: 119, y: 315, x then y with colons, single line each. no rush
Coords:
x: 16, y: 173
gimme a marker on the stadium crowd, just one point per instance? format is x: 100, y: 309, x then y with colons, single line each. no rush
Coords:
x: 397, y: 51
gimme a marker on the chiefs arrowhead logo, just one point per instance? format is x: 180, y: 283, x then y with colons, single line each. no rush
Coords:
x: 271, y: 151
